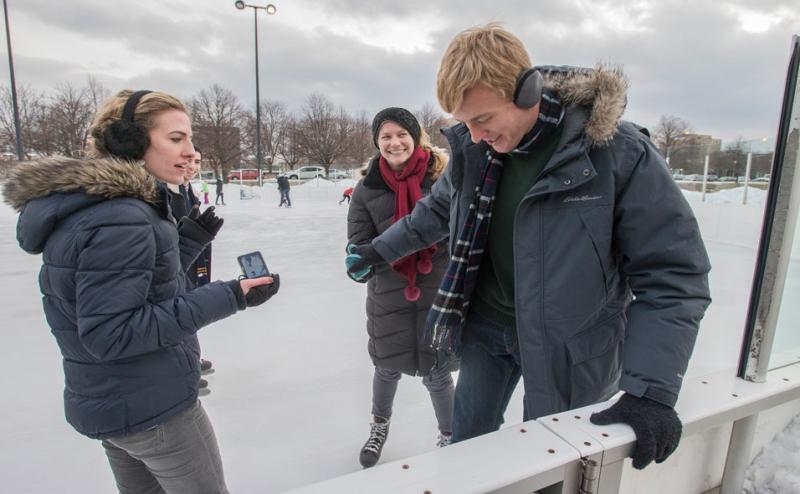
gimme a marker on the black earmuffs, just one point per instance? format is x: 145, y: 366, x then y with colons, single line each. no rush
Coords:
x: 528, y: 91
x: 125, y: 138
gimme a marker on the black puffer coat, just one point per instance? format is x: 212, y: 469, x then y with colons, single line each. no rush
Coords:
x: 394, y: 324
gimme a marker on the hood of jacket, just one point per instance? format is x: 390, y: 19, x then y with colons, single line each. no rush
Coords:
x: 602, y: 91
x: 49, y: 190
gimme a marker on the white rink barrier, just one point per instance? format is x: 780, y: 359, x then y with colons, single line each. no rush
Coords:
x: 565, y: 453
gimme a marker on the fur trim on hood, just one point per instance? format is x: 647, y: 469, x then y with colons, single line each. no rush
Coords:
x: 602, y: 91
x: 105, y: 177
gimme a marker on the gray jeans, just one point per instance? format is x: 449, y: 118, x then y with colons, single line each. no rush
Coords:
x: 179, y: 456
x: 440, y: 386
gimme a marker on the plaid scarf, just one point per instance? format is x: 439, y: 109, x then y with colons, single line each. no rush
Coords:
x: 446, y: 319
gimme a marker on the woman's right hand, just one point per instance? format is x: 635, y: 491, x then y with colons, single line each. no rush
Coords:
x: 247, y: 284
x: 258, y: 290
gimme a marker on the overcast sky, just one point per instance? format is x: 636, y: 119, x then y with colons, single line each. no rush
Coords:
x: 720, y: 65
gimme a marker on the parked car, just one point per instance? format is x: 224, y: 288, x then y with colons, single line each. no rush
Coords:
x: 306, y: 172
x: 337, y: 174
x: 697, y: 177
x: 761, y: 179
x: 243, y: 174
x: 207, y: 175
x: 727, y: 179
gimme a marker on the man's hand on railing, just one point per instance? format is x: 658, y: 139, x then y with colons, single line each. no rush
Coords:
x: 657, y: 427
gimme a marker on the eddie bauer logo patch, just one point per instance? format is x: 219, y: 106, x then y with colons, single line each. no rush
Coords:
x: 582, y: 198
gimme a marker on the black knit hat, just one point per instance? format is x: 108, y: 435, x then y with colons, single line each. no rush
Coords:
x: 401, y: 117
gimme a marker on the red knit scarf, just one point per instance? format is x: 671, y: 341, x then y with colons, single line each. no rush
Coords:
x: 406, y: 185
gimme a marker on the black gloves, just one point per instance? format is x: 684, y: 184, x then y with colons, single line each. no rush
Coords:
x: 201, y: 228
x: 260, y: 294
x: 208, y: 220
x: 360, y: 261
x: 657, y: 427
x: 257, y: 295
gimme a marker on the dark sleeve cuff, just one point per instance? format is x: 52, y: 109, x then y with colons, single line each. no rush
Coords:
x: 641, y: 389
x: 236, y: 288
x: 190, y: 229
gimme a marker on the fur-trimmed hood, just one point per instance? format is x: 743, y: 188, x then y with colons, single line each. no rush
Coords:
x: 46, y: 192
x: 103, y: 177
x: 601, y: 90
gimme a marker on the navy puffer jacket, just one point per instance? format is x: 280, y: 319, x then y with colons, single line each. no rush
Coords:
x: 611, y: 271
x: 113, y: 285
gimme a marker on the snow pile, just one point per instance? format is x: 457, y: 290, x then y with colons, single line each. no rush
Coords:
x: 730, y: 196
x: 775, y: 469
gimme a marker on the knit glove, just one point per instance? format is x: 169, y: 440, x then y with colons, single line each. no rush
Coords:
x: 201, y: 228
x: 208, y: 220
x: 260, y: 294
x: 360, y: 261
x: 657, y: 427
x: 257, y: 295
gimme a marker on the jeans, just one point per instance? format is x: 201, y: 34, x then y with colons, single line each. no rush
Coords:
x: 490, y: 370
x: 285, y: 199
x: 179, y: 456
x: 440, y: 386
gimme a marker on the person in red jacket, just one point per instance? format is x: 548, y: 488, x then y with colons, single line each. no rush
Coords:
x: 346, y: 195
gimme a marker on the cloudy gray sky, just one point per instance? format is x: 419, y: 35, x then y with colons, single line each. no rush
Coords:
x: 721, y: 65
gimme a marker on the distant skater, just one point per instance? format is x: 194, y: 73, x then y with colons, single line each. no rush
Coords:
x: 348, y: 192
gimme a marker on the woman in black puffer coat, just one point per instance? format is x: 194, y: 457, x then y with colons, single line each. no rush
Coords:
x: 113, y: 280
x: 400, y: 296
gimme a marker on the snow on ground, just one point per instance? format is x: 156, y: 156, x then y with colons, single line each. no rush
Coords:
x: 776, y: 469
x: 290, y: 398
x: 731, y: 196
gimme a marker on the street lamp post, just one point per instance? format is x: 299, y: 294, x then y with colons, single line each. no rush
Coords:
x: 269, y: 9
x: 20, y: 153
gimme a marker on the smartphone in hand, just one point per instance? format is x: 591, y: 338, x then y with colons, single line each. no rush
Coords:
x: 253, y: 265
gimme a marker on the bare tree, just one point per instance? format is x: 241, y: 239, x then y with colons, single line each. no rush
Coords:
x: 274, y: 116
x: 216, y: 117
x: 669, y: 132
x: 432, y: 120
x: 70, y: 115
x: 324, y: 130
x: 32, y: 113
x: 732, y: 161
x: 291, y: 143
x: 360, y: 145
x: 97, y: 93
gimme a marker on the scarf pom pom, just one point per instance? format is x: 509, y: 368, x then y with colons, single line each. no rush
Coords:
x: 412, y: 293
x: 424, y: 266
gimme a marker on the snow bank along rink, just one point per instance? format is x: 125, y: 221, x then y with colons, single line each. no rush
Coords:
x: 290, y: 398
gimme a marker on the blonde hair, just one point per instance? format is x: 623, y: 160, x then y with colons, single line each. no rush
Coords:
x: 438, y: 155
x: 488, y: 55
x: 144, y: 114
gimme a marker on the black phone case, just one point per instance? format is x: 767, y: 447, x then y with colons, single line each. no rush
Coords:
x: 244, y: 268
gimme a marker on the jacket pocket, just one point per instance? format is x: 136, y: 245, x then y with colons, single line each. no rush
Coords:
x: 595, y: 360
x: 600, y: 234
x: 573, y: 280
